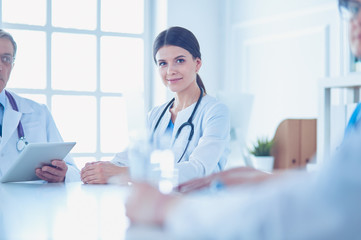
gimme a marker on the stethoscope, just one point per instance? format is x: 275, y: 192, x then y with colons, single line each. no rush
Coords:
x: 187, y: 123
x: 22, y: 142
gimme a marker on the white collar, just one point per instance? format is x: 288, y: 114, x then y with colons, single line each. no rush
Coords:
x: 3, y: 98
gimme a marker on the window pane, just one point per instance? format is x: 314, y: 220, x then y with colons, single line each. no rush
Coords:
x: 122, y: 67
x: 76, y: 119
x: 30, y: 64
x: 39, y: 98
x: 24, y: 11
x: 68, y: 17
x: 113, y: 124
x: 74, y: 62
x: 122, y: 16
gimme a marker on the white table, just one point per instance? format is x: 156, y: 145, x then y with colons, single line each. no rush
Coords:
x: 39, y: 211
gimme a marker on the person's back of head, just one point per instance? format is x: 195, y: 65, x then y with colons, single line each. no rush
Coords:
x: 350, y: 11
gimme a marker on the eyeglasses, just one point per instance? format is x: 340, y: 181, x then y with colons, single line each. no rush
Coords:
x: 349, y: 9
x: 7, y: 59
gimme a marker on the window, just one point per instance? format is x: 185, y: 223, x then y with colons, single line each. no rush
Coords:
x: 80, y: 57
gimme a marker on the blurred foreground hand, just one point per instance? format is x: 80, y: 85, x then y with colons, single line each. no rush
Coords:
x: 231, y: 177
x: 146, y: 205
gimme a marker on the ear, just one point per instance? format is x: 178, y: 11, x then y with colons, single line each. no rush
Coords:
x: 198, y: 64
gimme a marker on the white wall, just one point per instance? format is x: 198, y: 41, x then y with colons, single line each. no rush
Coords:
x: 279, y: 53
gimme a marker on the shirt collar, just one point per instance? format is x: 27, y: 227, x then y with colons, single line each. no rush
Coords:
x: 2, y: 98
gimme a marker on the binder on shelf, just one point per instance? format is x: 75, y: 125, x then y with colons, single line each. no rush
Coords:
x: 295, y: 143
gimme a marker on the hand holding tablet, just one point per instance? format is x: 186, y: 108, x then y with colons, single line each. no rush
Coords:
x: 54, y: 172
x: 39, y: 161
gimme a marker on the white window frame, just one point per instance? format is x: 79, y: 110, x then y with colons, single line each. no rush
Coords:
x: 48, y: 92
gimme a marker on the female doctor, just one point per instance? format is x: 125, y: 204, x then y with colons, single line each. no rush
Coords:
x: 198, y: 124
x: 321, y: 205
x: 23, y: 121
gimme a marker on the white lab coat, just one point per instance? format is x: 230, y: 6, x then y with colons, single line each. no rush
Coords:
x: 207, y: 151
x: 322, y: 205
x: 38, y: 126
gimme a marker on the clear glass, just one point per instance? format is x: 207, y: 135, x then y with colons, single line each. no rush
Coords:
x: 65, y: 14
x: 150, y: 163
x: 139, y: 152
x: 121, y: 64
x: 163, y: 174
x: 122, y: 16
x: 76, y: 119
x: 29, y: 70
x: 74, y: 62
x: 24, y: 11
x: 113, y: 124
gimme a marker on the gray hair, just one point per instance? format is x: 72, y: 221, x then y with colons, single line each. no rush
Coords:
x: 4, y: 34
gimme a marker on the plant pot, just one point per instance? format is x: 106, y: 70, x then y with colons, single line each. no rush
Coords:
x: 263, y: 163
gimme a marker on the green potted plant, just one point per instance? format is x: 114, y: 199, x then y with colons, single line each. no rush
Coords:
x: 261, y: 157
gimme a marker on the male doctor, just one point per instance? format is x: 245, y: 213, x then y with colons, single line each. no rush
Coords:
x: 21, y: 117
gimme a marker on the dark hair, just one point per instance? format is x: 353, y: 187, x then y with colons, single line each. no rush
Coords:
x: 8, y: 36
x: 180, y: 37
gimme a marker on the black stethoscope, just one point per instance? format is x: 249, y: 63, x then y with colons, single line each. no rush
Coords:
x: 187, y: 123
x: 22, y: 142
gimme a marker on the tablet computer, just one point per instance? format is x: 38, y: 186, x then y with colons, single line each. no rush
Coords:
x: 35, y: 155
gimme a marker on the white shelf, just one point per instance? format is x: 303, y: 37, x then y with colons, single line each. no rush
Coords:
x: 350, y: 86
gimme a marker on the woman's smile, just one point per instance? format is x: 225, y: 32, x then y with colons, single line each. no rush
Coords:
x: 173, y: 80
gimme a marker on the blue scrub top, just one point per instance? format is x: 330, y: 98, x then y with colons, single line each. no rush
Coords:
x: 354, y: 120
x: 170, y: 128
